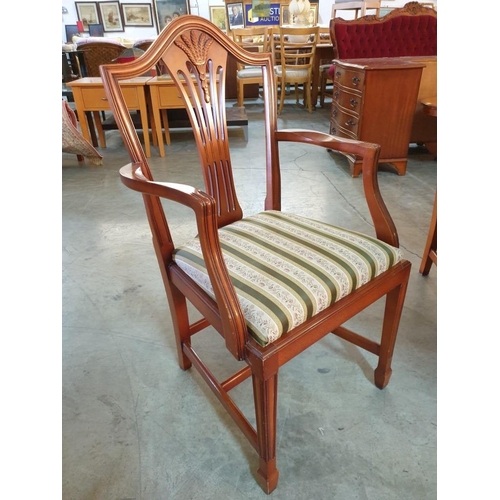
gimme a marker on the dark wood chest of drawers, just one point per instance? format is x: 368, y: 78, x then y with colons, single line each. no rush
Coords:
x: 374, y: 100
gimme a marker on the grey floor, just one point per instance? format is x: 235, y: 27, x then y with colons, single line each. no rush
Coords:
x: 135, y: 426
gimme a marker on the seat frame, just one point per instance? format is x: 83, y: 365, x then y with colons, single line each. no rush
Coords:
x: 193, y: 46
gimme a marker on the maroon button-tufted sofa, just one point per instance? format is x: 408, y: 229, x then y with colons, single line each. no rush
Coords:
x: 409, y: 31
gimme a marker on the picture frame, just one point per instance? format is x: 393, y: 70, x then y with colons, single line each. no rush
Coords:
x: 286, y: 17
x: 137, y: 14
x: 87, y: 13
x: 71, y: 31
x: 167, y: 10
x: 313, y: 14
x: 111, y: 16
x: 235, y: 15
x: 96, y: 30
x: 272, y: 19
x: 218, y: 16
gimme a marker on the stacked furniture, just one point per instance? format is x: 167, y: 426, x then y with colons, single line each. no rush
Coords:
x: 377, y: 87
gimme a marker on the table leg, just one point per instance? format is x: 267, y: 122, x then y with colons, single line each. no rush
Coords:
x: 144, y: 122
x: 155, y: 106
x: 164, y: 115
x: 100, y: 130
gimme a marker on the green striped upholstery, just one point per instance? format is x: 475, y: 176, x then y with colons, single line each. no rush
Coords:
x: 286, y: 268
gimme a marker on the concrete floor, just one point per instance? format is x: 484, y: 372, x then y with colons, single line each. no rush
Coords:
x: 135, y: 426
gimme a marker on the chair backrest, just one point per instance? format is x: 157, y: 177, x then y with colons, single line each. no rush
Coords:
x: 359, y: 8
x: 143, y: 44
x: 408, y: 31
x: 296, y: 47
x: 255, y: 39
x: 195, y: 53
x: 97, y: 53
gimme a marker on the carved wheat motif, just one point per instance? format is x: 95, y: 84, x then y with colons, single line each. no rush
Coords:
x: 196, y: 46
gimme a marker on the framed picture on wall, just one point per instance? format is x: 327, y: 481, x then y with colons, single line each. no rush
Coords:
x: 71, y: 31
x: 96, y: 30
x: 111, y: 16
x: 167, y: 10
x: 137, y: 14
x: 235, y: 15
x: 218, y: 16
x: 286, y: 19
x: 87, y: 13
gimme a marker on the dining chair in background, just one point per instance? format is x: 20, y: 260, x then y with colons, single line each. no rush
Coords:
x: 294, y: 56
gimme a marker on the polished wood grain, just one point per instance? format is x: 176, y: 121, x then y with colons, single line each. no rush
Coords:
x: 191, y: 45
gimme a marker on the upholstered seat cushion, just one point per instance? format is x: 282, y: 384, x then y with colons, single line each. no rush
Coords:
x: 291, y: 73
x: 286, y: 268
x: 249, y: 72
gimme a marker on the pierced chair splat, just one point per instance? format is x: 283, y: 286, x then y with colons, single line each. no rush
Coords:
x: 271, y: 284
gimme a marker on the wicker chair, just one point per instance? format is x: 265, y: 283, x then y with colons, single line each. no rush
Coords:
x: 143, y: 44
x: 97, y: 53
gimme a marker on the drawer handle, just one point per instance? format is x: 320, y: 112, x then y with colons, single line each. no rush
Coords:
x: 356, y: 80
x: 104, y: 98
x: 338, y: 74
x: 333, y: 131
x: 353, y: 103
x: 350, y: 123
x: 336, y: 94
x: 335, y: 112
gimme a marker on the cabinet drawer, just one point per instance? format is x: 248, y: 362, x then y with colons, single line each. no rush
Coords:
x: 336, y: 129
x: 354, y: 79
x: 347, y: 100
x: 95, y: 98
x: 344, y: 121
x: 169, y: 97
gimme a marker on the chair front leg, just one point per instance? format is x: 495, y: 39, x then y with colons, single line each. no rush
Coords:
x: 282, y: 95
x: 266, y: 400
x: 392, y: 315
x: 180, y: 320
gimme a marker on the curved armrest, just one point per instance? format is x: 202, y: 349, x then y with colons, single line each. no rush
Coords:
x: 205, y: 209
x: 382, y: 220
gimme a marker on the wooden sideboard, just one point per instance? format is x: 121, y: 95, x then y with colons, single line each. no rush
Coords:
x: 374, y: 100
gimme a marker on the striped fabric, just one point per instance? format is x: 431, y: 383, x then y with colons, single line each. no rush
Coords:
x: 286, y: 268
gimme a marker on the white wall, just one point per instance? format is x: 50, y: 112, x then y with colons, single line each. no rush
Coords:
x: 325, y: 8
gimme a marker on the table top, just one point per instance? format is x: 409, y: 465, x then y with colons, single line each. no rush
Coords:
x: 430, y: 105
x: 94, y: 80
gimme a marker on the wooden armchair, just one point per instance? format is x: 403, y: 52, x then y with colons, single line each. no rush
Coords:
x: 274, y: 283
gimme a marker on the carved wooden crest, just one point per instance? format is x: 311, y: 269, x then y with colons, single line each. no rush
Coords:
x: 196, y: 45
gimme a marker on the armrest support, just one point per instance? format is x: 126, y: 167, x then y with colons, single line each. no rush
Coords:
x: 382, y: 220
x: 205, y: 210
